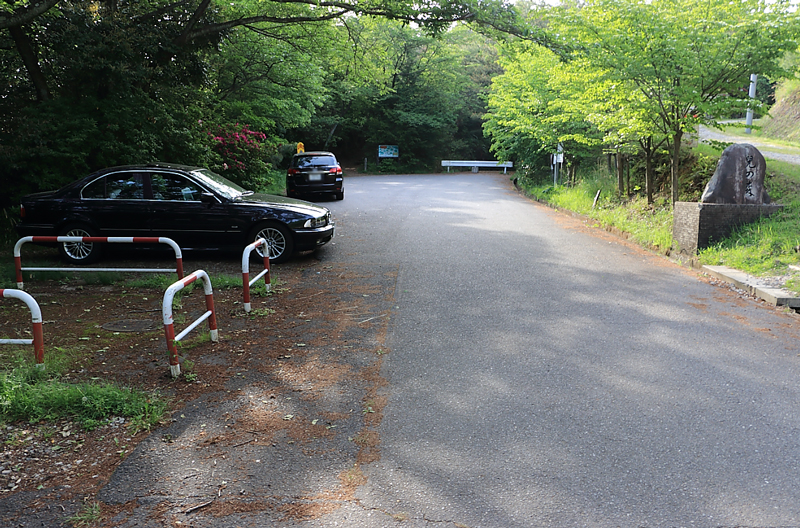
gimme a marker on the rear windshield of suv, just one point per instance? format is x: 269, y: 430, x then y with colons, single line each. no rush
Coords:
x: 302, y: 162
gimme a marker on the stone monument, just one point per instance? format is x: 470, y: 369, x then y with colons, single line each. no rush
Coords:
x: 734, y: 196
x: 739, y: 178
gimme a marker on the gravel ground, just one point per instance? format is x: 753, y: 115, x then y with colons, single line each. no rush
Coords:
x: 270, y: 428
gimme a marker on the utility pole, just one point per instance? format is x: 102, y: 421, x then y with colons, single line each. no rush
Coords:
x: 749, y: 120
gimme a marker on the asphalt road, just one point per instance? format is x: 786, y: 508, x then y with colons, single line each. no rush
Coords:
x: 544, y: 373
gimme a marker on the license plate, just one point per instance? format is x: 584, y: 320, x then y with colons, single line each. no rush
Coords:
x: 315, y: 177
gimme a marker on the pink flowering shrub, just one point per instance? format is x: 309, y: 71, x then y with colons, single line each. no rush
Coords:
x: 244, y: 155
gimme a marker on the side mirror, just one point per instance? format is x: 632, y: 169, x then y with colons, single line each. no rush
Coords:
x: 208, y: 198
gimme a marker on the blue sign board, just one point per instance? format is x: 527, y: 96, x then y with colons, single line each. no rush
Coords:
x: 388, y: 151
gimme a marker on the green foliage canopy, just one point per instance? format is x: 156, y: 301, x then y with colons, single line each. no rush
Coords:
x: 98, y: 83
x: 540, y: 102
x: 648, y: 68
x: 691, y: 61
x: 395, y: 84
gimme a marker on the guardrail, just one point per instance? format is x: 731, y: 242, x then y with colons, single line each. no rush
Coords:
x: 113, y: 240
x: 477, y: 164
x: 36, y: 317
x: 246, y: 282
x: 169, y: 328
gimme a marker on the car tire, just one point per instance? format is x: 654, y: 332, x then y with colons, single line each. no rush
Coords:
x: 279, y: 240
x: 339, y: 195
x: 79, y: 252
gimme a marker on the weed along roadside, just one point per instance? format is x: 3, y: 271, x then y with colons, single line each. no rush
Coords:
x: 272, y: 421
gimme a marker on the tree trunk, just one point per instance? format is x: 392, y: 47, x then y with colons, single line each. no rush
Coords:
x: 620, y: 174
x: 675, y: 165
x: 31, y: 62
x: 627, y: 166
x: 184, y: 37
x: 647, y: 147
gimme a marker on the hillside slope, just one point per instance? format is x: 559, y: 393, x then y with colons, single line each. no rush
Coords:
x: 784, y: 121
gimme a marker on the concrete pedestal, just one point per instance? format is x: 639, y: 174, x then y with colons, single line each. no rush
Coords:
x: 698, y: 225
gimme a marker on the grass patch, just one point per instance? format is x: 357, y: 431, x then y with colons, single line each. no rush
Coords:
x: 31, y: 393
x: 765, y: 247
x: 647, y: 225
x: 155, y: 281
x: 89, y: 515
x: 162, y: 281
x: 261, y: 312
x: 200, y: 337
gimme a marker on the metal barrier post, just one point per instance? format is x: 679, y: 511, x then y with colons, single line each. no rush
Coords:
x: 114, y: 240
x: 169, y: 329
x: 36, y: 317
x: 246, y: 282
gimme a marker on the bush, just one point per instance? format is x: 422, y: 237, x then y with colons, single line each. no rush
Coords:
x: 245, y: 156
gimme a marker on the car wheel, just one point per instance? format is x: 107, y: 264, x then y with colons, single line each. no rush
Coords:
x: 339, y: 195
x: 79, y: 252
x: 279, y: 240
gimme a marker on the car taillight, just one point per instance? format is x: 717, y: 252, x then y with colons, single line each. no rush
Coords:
x: 336, y: 171
x: 22, y: 211
x: 292, y: 172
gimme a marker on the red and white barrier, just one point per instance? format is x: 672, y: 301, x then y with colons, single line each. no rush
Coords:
x: 246, y: 282
x: 36, y: 316
x: 169, y: 329
x: 113, y: 240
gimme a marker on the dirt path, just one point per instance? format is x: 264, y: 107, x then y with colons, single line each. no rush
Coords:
x: 273, y: 425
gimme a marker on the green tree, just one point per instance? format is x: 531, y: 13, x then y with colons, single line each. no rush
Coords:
x: 392, y: 83
x: 621, y: 112
x: 479, y: 60
x: 105, y: 102
x: 97, y: 83
x: 539, y: 103
x: 272, y: 84
x: 691, y: 61
x: 185, y: 26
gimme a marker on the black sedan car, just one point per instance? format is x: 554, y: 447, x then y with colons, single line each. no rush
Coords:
x: 315, y: 173
x: 195, y: 207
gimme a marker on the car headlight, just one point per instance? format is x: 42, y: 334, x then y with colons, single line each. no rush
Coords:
x: 322, y: 221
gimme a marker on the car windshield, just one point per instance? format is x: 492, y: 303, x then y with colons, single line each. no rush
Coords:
x: 222, y: 185
x: 302, y: 162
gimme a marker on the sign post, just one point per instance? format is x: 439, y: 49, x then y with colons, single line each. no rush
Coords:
x: 388, y: 151
x: 558, y: 159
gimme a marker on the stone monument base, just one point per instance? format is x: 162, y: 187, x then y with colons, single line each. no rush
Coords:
x: 697, y: 225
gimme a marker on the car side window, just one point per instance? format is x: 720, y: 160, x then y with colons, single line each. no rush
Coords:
x: 173, y: 187
x: 117, y: 186
x: 96, y: 189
